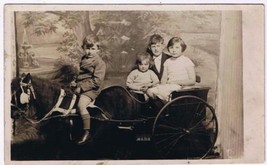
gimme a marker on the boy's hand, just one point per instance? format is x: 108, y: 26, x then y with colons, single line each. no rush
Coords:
x: 144, y: 88
x: 73, y: 84
x: 78, y: 90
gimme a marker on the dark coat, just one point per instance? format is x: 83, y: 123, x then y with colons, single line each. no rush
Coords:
x: 163, y: 59
x: 91, y: 76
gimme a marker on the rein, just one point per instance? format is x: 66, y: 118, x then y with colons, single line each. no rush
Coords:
x: 25, y: 99
x: 65, y: 112
x: 56, y: 108
x: 141, y: 102
x: 131, y: 95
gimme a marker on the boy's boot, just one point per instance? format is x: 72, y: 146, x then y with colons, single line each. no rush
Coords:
x: 86, y: 126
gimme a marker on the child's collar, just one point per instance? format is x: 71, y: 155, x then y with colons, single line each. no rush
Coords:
x: 88, y: 56
x: 159, y: 56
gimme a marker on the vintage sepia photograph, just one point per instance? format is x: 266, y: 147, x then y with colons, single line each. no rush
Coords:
x: 134, y: 83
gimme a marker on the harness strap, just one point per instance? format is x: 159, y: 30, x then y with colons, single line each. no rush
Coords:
x: 62, y: 110
x: 33, y: 93
x: 21, y: 85
x: 73, y: 100
x: 22, y: 88
x: 60, y: 98
x: 20, y: 110
x: 65, y: 112
x: 56, y: 108
x: 70, y: 111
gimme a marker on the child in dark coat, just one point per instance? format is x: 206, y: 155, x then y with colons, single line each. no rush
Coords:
x: 89, y: 81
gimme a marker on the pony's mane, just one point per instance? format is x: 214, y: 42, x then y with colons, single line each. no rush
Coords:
x: 66, y: 73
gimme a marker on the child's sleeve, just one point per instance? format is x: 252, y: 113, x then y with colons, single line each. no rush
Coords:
x: 99, y: 74
x: 98, y: 77
x: 154, y: 78
x: 130, y: 81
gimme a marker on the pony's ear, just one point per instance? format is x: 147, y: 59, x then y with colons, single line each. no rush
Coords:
x: 26, y: 78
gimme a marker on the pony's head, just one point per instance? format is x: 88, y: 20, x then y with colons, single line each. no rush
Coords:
x: 22, y: 95
x: 32, y: 98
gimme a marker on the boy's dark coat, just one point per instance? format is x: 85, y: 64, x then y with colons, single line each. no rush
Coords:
x: 163, y: 59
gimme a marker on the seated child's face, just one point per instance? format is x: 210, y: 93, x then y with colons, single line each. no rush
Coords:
x: 175, y: 50
x: 143, y: 67
x: 157, y: 49
x: 92, y: 51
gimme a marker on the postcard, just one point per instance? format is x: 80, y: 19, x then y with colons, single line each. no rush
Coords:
x: 135, y: 84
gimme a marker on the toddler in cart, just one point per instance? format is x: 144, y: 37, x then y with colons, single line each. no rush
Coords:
x: 178, y: 71
x: 141, y: 79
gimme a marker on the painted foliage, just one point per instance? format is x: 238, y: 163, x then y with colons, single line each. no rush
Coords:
x: 47, y: 40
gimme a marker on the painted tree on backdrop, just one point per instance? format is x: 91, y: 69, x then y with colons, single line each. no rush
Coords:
x: 123, y: 33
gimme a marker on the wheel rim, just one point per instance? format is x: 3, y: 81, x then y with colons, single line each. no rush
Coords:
x: 185, y: 128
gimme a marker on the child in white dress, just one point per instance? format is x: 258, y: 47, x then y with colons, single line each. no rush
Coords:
x: 179, y: 71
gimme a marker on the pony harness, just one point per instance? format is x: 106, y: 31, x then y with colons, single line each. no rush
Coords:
x: 71, y: 108
x: 64, y: 111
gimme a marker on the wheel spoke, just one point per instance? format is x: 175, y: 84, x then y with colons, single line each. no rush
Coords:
x: 176, y: 115
x: 171, y: 145
x: 169, y: 127
x: 167, y: 138
x: 197, y: 123
x: 196, y: 113
x: 167, y: 122
x: 203, y: 126
x: 211, y: 120
x: 200, y: 133
x: 198, y: 127
x: 165, y: 134
x: 185, y: 128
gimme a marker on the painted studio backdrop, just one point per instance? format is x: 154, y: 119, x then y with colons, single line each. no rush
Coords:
x: 47, y: 40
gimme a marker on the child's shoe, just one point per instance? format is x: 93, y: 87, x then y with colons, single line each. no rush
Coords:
x: 85, y: 138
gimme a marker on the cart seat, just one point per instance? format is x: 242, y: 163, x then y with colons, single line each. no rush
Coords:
x: 198, y: 91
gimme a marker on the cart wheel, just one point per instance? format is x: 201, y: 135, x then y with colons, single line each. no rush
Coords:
x: 185, y: 128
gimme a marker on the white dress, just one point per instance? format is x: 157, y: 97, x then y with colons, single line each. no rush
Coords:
x: 176, y: 70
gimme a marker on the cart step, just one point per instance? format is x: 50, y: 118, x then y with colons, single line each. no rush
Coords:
x: 125, y: 127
